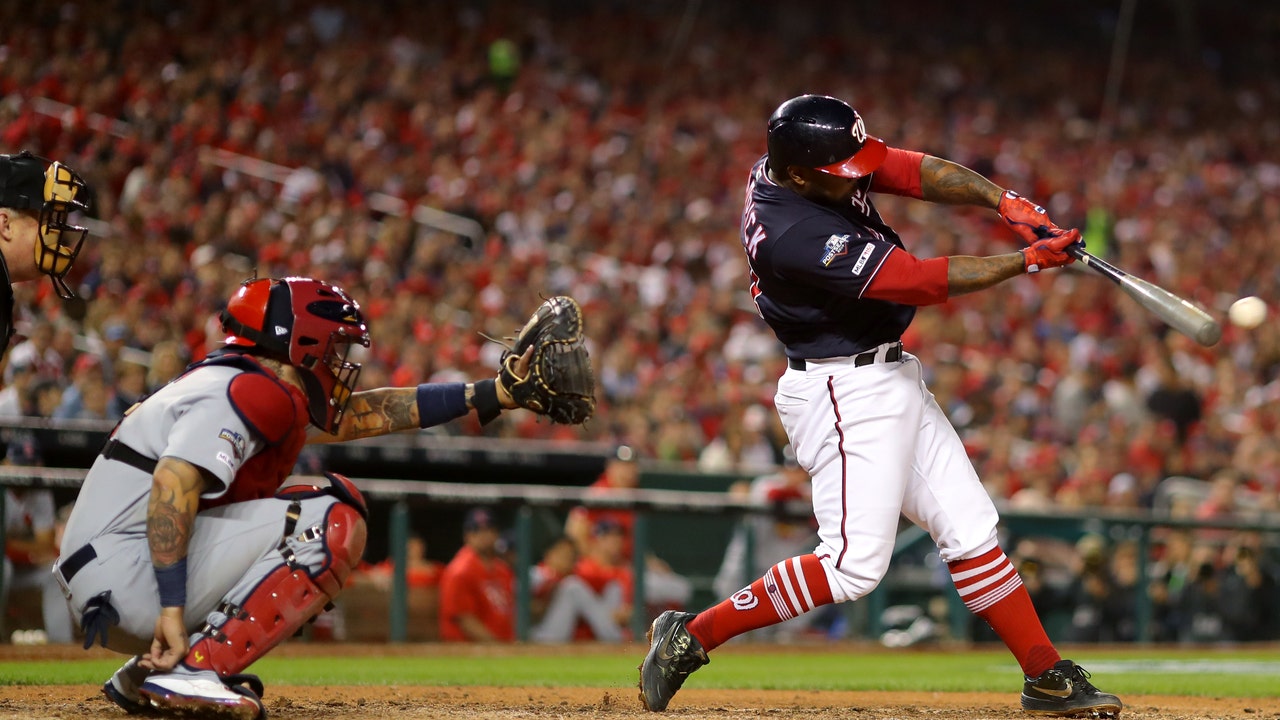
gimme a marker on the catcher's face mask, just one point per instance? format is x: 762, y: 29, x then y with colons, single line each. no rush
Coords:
x: 53, y: 191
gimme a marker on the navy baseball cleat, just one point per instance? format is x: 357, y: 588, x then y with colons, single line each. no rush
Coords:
x: 1064, y: 690
x: 122, y: 688
x: 673, y: 654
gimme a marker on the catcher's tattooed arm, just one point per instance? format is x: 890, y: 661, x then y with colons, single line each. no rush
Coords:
x: 171, y: 515
x: 393, y: 409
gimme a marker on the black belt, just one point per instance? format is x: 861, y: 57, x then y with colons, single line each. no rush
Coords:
x: 113, y: 450
x: 75, y: 561
x: 893, y: 354
x: 116, y: 450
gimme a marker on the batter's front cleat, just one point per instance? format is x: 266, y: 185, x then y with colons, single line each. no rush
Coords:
x: 1064, y: 690
x: 122, y: 688
x: 201, y: 694
x: 673, y: 654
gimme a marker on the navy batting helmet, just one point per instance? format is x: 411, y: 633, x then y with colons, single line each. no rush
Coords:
x: 825, y: 134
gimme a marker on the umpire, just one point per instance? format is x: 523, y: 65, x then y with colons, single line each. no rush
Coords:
x: 37, y: 198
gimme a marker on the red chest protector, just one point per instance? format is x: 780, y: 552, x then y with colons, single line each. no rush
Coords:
x: 277, y: 413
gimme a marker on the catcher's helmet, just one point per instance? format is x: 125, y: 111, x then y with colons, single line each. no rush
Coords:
x: 823, y: 133
x: 308, y: 324
x: 29, y: 182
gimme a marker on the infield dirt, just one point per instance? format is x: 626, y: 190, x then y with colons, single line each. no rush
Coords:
x: 295, y: 702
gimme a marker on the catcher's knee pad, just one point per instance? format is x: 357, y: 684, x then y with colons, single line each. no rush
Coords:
x: 315, y: 562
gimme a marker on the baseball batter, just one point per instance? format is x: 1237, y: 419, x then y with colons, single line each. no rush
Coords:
x: 183, y: 549
x: 837, y: 286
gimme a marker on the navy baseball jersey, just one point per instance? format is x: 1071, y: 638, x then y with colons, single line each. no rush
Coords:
x: 811, y: 264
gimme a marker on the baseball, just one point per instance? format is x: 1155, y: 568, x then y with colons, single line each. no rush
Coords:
x: 1247, y: 312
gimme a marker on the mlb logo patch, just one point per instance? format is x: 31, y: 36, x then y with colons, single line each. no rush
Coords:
x: 863, y: 258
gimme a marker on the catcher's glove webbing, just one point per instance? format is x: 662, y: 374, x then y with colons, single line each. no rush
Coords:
x: 559, y: 383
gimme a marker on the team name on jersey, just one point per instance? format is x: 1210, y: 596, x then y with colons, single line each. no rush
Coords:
x: 836, y: 246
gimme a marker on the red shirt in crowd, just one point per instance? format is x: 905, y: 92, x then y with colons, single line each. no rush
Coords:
x: 471, y: 585
x: 598, y: 576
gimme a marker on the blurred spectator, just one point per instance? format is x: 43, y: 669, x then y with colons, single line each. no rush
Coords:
x: 545, y: 577
x: 130, y: 387
x: 773, y: 537
x: 1200, y: 608
x: 30, y: 543
x: 1048, y: 599
x: 38, y: 351
x: 168, y: 359
x: 420, y: 571
x: 87, y: 397
x: 43, y: 398
x: 18, y: 378
x: 742, y: 447
x: 587, y: 598
x: 1250, y: 600
x: 1169, y: 577
x: 477, y: 588
x: 664, y: 588
x: 1173, y: 397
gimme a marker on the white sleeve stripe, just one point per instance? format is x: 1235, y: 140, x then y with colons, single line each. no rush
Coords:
x: 875, y: 272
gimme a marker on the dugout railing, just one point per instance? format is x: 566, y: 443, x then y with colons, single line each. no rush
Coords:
x: 667, y: 506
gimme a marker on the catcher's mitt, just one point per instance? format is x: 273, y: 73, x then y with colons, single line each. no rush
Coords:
x: 559, y: 383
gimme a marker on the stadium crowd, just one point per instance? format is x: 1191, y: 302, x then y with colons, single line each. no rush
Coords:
x: 603, y: 147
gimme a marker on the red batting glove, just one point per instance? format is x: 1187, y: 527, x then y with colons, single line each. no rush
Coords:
x: 1026, y: 218
x: 1051, y: 251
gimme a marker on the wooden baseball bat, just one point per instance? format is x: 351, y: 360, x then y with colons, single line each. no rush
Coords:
x: 1177, y: 312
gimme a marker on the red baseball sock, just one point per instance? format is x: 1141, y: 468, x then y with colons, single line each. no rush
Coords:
x: 992, y: 589
x: 790, y: 588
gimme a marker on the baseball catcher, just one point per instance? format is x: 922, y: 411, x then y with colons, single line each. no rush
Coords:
x: 190, y: 548
x: 559, y: 383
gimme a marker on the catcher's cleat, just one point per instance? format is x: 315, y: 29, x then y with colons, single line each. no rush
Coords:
x: 122, y: 688
x: 1064, y: 690
x: 673, y: 654
x: 202, y: 694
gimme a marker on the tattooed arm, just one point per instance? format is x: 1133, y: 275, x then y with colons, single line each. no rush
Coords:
x: 942, y: 181
x: 966, y: 274
x: 387, y: 410
x: 171, y: 516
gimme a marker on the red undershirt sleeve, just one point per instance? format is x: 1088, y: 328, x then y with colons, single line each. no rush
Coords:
x: 899, y: 174
x: 906, y: 279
